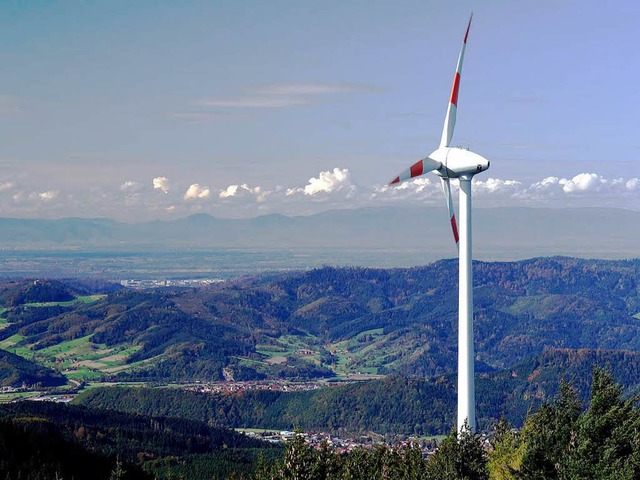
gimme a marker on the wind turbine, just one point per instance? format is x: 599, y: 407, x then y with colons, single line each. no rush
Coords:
x: 453, y: 162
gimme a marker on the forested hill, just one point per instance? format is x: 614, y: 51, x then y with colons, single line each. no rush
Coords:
x: 42, y: 440
x: 332, y: 320
x: 16, y: 371
x: 391, y: 405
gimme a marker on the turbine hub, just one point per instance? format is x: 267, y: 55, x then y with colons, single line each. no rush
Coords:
x: 457, y: 162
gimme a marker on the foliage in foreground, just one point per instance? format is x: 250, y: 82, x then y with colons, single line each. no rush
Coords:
x: 560, y: 442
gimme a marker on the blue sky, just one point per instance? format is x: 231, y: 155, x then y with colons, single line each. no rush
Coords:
x: 138, y: 110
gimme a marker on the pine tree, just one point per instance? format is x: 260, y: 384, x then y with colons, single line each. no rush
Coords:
x: 299, y: 460
x: 547, y: 435
x: 459, y: 457
x: 412, y: 465
x: 505, y: 458
x: 607, y: 439
x: 327, y: 465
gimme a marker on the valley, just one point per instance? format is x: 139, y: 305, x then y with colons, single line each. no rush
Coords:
x: 537, y: 321
x: 362, y: 358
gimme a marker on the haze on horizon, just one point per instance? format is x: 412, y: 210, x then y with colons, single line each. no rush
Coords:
x: 159, y: 110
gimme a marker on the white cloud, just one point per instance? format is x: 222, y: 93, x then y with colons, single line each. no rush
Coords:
x: 584, y: 189
x: 161, y: 183
x: 325, y: 182
x: 253, y: 101
x: 281, y: 95
x: 130, y: 186
x: 582, y: 182
x: 230, y: 191
x: 196, y: 191
x: 495, y: 185
x: 47, y: 196
x: 244, y: 190
x: 329, y: 189
x: 420, y: 187
x: 545, y: 183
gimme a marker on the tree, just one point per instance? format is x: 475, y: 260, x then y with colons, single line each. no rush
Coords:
x: 327, y: 463
x: 607, y: 438
x: 118, y: 472
x: 413, y: 466
x: 299, y: 461
x: 547, y: 434
x: 505, y: 458
x: 459, y: 457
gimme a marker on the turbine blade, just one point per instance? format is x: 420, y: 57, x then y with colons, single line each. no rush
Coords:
x: 450, y: 118
x: 446, y: 187
x: 419, y: 168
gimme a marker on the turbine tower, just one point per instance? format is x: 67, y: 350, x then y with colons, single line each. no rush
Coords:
x: 453, y: 162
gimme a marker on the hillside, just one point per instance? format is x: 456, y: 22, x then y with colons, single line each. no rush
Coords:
x: 16, y: 371
x: 333, y: 321
x: 46, y: 440
x: 393, y: 405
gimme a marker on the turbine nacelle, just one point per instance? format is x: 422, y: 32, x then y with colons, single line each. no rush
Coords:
x: 456, y: 162
x: 446, y: 162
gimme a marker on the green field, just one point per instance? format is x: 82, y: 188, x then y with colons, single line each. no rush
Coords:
x: 290, y: 346
x: 362, y: 354
x: 256, y: 430
x: 11, y: 344
x: 78, y: 299
x: 9, y: 397
x: 79, y: 358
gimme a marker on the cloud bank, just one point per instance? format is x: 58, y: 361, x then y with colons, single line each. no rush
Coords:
x: 328, y: 189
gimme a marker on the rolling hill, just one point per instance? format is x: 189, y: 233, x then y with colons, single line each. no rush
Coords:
x: 330, y: 321
x: 393, y: 405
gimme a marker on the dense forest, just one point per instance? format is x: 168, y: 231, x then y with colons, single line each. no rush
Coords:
x: 341, y: 319
x: 560, y: 441
x: 538, y: 322
x: 15, y: 371
x: 564, y: 439
x: 43, y: 439
x: 393, y: 405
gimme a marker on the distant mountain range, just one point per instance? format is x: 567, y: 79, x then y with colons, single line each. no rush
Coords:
x: 499, y: 233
